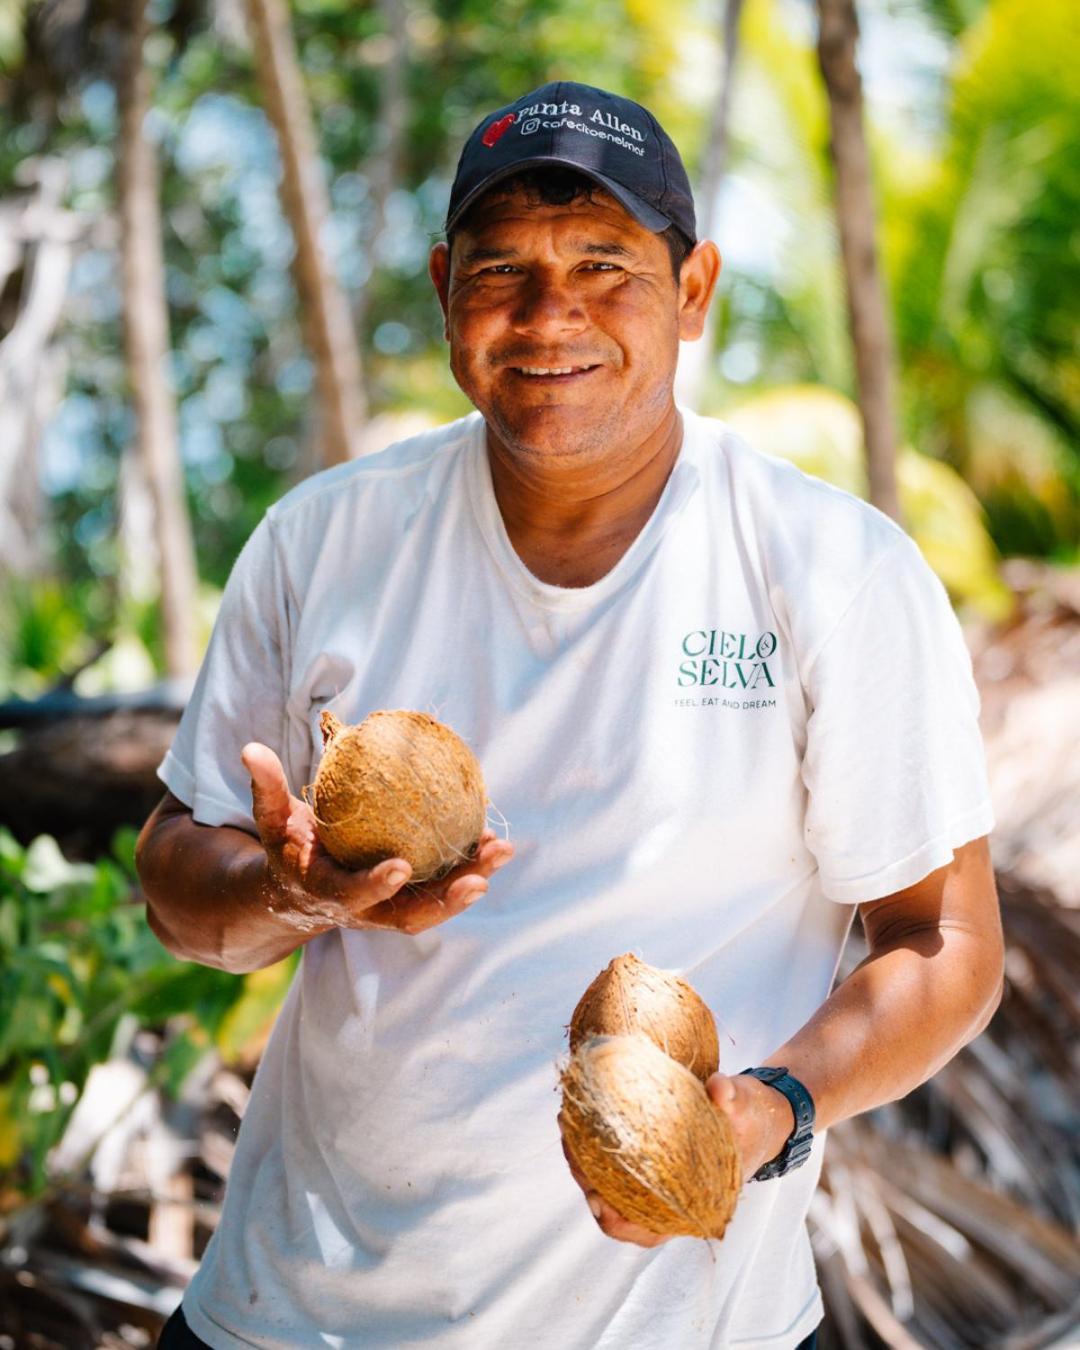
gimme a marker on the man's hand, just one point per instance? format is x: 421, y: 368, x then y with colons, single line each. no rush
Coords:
x: 610, y: 1220
x: 761, y: 1121
x: 310, y: 888
x: 761, y: 1118
x: 216, y: 895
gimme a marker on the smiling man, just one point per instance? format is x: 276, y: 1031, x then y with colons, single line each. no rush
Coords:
x: 724, y: 707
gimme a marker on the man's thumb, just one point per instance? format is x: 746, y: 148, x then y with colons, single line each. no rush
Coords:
x: 269, y: 791
x: 721, y: 1090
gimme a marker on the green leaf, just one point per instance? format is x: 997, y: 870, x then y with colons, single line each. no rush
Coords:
x: 29, y: 1020
x: 245, y: 1026
x: 174, y: 987
x: 12, y: 855
x: 123, y: 849
x: 46, y: 868
x: 9, y: 924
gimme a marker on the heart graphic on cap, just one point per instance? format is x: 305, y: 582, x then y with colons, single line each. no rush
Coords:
x: 496, y: 129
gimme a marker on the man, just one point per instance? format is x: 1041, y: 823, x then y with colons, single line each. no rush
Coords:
x: 721, y: 704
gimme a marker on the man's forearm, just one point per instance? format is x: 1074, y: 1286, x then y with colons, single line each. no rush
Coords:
x: 893, y: 1023
x: 210, y: 897
x: 930, y: 984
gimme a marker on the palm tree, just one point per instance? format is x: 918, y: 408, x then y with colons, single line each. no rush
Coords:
x: 868, y: 313
x: 695, y: 360
x: 387, y: 160
x: 146, y: 339
x: 325, y: 316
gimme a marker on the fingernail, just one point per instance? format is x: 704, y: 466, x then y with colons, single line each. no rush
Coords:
x: 396, y: 878
x: 594, y: 1205
x: 472, y: 897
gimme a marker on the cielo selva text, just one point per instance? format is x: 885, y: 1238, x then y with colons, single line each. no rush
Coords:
x: 729, y: 660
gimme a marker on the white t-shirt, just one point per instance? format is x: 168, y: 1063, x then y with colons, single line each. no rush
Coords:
x: 761, y: 716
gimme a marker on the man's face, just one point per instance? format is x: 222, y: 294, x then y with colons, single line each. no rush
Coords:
x: 564, y: 324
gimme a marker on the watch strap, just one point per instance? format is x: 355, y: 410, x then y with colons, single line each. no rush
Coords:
x: 801, y: 1139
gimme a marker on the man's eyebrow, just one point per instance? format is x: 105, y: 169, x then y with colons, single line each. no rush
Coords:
x: 497, y: 253
x: 607, y: 250
x: 480, y: 254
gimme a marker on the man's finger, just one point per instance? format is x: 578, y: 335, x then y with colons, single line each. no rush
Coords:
x: 490, y: 855
x: 608, y: 1219
x: 612, y: 1223
x: 270, y: 800
x: 415, y: 911
x: 721, y: 1090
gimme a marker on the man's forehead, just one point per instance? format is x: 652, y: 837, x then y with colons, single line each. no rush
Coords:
x: 493, y: 250
x: 584, y: 221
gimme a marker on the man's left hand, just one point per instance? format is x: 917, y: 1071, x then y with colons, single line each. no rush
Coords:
x: 761, y: 1121
x: 761, y: 1118
x: 610, y: 1220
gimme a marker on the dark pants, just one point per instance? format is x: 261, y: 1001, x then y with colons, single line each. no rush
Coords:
x: 177, y: 1335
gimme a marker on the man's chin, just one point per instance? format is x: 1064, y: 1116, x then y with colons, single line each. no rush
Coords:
x: 553, y: 431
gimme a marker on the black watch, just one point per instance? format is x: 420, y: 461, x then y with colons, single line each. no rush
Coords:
x: 800, y: 1141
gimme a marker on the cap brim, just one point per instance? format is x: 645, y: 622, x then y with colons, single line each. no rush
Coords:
x: 641, y: 211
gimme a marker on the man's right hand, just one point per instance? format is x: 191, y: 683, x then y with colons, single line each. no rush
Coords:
x: 217, y: 895
x: 310, y: 888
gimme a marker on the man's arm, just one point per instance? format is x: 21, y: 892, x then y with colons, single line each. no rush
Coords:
x: 221, y: 897
x: 930, y: 983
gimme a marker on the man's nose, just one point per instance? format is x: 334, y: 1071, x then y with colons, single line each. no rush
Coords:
x: 548, y: 305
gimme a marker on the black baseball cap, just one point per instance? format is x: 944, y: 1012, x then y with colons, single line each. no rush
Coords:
x: 614, y: 141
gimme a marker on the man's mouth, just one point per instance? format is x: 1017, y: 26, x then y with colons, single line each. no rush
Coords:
x: 552, y: 372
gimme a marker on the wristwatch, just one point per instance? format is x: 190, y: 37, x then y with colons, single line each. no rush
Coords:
x: 799, y: 1142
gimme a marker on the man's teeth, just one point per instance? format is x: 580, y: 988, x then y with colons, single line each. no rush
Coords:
x: 550, y: 370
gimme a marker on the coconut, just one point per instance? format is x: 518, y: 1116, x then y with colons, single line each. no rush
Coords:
x: 398, y: 785
x: 629, y: 996
x: 645, y: 1134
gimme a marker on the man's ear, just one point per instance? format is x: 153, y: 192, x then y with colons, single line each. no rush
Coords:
x: 439, y: 271
x: 697, y: 281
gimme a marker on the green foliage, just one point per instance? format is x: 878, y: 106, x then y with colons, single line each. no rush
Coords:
x: 820, y: 431
x: 976, y: 222
x: 987, y: 280
x: 46, y: 629
x: 80, y: 973
x: 11, y: 33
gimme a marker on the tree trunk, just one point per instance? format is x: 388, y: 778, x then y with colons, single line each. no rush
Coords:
x: 146, y: 337
x: 695, y: 358
x: 324, y: 312
x: 37, y: 242
x: 388, y: 154
x: 870, y: 333
x: 81, y: 778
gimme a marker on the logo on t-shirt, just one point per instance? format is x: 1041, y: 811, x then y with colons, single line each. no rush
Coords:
x: 716, y: 659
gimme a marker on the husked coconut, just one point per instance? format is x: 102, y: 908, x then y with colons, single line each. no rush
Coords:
x: 398, y: 785
x: 647, y: 1137
x: 630, y: 996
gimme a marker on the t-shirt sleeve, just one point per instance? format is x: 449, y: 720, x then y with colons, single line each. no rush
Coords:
x: 240, y: 693
x: 894, y: 765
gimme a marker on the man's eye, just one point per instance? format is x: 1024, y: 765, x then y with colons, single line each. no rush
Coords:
x: 601, y: 267
x: 501, y: 269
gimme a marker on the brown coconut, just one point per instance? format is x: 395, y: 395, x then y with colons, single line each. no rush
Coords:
x: 646, y: 1136
x: 398, y: 785
x: 629, y: 996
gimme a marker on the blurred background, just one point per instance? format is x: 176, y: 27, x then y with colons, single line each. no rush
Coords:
x: 214, y: 224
